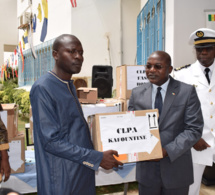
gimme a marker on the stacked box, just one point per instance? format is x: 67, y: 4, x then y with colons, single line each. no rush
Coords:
x: 102, y: 106
x: 127, y: 78
x: 135, y: 135
x: 9, y: 116
x: 87, y: 95
x: 17, y: 153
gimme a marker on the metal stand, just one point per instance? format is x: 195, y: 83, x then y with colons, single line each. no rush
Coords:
x: 27, y: 127
x: 125, y: 188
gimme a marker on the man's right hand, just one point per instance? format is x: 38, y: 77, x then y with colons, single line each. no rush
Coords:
x: 108, y: 161
x: 201, y: 145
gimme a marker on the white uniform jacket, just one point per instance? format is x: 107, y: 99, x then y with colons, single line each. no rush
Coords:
x: 194, y: 75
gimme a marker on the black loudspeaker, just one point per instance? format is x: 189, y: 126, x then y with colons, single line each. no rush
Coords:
x: 102, y: 80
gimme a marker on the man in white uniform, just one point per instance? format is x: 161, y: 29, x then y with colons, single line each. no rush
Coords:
x: 201, y: 74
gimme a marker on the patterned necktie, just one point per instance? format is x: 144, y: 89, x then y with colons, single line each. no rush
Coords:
x: 207, y: 70
x: 158, y: 100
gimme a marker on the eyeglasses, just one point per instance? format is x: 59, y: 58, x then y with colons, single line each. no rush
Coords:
x: 156, y: 66
x: 207, y: 49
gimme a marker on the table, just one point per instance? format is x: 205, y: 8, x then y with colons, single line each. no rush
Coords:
x: 26, y: 182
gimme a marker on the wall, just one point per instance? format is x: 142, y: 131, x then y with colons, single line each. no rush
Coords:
x: 193, y: 17
x: 169, y: 30
x: 130, y: 11
x: 97, y: 24
x: 107, y: 30
x: 8, y: 25
x: 143, y: 2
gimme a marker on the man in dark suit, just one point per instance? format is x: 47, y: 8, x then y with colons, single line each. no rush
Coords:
x: 180, y: 126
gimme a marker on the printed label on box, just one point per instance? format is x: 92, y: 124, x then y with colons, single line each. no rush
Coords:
x: 126, y: 134
x: 15, y: 155
x: 136, y: 76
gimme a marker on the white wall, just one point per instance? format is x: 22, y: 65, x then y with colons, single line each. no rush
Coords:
x: 188, y: 17
x: 107, y: 30
x: 169, y: 31
x: 130, y: 11
x: 8, y: 25
x: 97, y: 24
x: 143, y: 2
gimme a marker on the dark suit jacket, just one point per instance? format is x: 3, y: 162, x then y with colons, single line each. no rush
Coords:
x: 180, y: 127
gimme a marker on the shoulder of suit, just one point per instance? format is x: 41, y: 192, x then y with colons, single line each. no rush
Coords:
x: 141, y: 87
x: 182, y: 67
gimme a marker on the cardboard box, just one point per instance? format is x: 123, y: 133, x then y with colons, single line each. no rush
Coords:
x: 103, y: 106
x: 9, y: 117
x: 17, y: 154
x: 111, y: 102
x: 87, y: 95
x: 135, y: 135
x: 127, y: 78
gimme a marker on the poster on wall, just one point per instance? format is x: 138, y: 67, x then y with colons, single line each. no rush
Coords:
x: 210, y: 19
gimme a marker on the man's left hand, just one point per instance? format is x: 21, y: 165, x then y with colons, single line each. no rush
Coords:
x: 201, y: 145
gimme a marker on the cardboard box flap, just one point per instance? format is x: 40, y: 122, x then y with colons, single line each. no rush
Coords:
x: 86, y: 90
x: 8, y: 106
x: 17, y: 153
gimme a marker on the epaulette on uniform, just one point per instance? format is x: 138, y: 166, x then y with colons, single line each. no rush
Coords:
x: 179, y: 68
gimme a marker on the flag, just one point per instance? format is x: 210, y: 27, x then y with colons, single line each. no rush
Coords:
x: 211, y: 17
x: 44, y: 30
x: 16, y: 73
x: 12, y: 72
x: 45, y: 8
x: 73, y: 2
x: 2, y: 71
x: 12, y: 59
x: 45, y: 20
x: 39, y: 16
x: 12, y: 63
x: 5, y: 71
x: 22, y: 57
x: 26, y: 36
x: 23, y: 42
x: 2, y: 74
x: 15, y: 57
x: 34, y: 21
x: 8, y: 74
x: 8, y: 65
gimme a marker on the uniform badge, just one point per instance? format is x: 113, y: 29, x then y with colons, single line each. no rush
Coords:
x: 200, y: 34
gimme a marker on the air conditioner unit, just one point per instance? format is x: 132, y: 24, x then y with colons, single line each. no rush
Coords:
x: 25, y: 18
